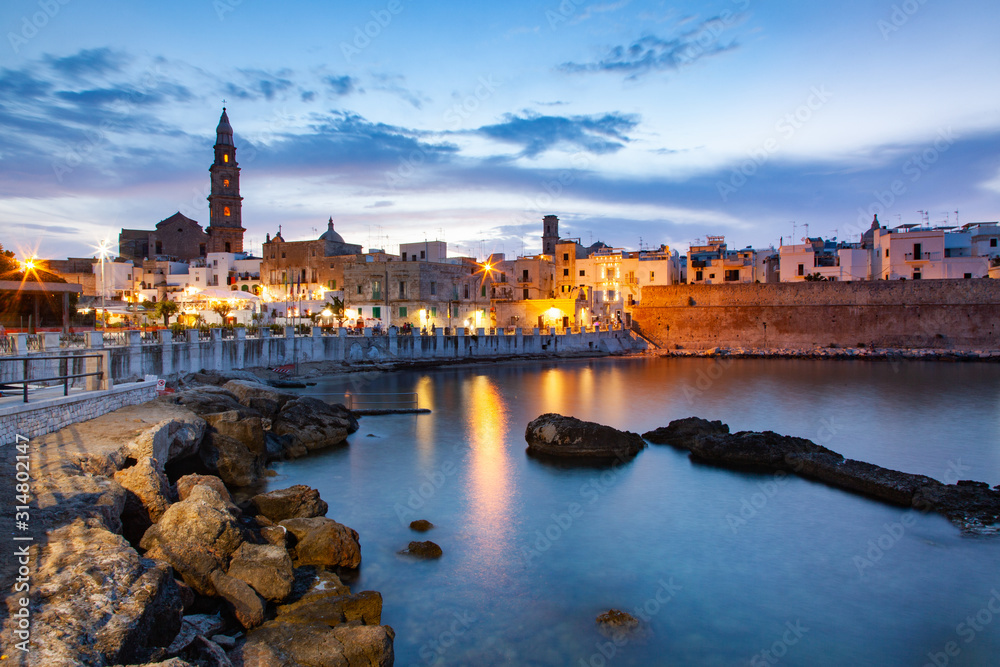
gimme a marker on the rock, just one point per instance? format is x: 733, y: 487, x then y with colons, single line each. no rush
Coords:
x: 147, y: 497
x: 211, y: 653
x: 192, y: 626
x: 280, y: 644
x: 266, y: 568
x: 64, y: 493
x: 295, y: 502
x: 973, y: 506
x: 225, y: 641
x: 559, y: 436
x: 173, y: 662
x: 208, y: 400
x: 322, y: 541
x: 423, y: 550
x: 231, y: 460
x: 96, y: 601
x: 196, y: 536
x: 248, y: 430
x: 277, y: 445
x: 747, y: 449
x: 866, y: 479
x: 187, y: 483
x: 276, y: 535
x: 616, y: 623
x: 332, y: 610
x: 683, y: 433
x: 421, y: 525
x: 259, y: 395
x: 313, y: 424
x: 247, y: 605
x: 219, y: 378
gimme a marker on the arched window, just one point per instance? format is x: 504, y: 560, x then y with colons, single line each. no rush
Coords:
x: 225, y: 157
x: 225, y: 211
x: 245, y: 288
x: 225, y: 183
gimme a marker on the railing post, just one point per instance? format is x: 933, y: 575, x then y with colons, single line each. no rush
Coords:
x: 94, y: 340
x: 50, y: 341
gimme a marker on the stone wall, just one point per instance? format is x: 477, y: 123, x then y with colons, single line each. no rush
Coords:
x: 940, y: 314
x: 34, y: 419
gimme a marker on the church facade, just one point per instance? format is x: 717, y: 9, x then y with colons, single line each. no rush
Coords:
x: 180, y: 238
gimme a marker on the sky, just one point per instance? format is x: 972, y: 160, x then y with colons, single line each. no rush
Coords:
x: 637, y: 123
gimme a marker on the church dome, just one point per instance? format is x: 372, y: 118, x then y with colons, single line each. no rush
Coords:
x: 330, y: 235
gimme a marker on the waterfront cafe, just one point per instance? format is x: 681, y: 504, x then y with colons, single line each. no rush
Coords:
x: 210, y: 303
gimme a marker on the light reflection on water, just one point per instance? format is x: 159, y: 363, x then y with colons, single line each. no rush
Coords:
x: 662, y: 518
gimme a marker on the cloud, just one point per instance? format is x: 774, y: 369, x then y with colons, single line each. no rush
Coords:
x: 21, y: 84
x: 341, y: 85
x: 593, y: 10
x: 381, y: 204
x: 393, y: 83
x: 651, y: 53
x: 537, y: 134
x: 88, y: 62
x: 260, y: 83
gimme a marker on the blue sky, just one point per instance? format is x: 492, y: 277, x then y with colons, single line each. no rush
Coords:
x: 654, y: 121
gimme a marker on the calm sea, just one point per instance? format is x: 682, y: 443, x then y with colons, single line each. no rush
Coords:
x: 723, y: 567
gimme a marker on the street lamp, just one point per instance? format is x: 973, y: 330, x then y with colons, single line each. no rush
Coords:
x: 102, y: 251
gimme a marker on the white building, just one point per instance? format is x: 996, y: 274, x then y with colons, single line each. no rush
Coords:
x: 712, y: 263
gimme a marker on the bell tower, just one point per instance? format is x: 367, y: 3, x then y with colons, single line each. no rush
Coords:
x: 550, y: 234
x: 225, y: 214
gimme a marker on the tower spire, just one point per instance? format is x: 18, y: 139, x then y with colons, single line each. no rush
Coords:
x: 225, y: 205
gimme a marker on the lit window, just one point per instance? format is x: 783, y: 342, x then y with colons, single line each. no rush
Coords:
x: 225, y: 211
x: 225, y: 183
x: 225, y: 158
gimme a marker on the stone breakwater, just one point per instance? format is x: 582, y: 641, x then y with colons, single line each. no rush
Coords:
x: 973, y: 506
x: 875, y: 354
x: 141, y: 553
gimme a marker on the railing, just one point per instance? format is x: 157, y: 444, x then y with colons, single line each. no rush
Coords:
x: 34, y: 342
x: 113, y: 338
x: 922, y: 257
x: 8, y: 345
x: 65, y: 377
x: 228, y: 333
x: 381, y: 401
x: 72, y: 340
x: 204, y: 334
x: 150, y: 337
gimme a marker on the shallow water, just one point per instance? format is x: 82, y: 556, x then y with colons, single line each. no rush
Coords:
x: 720, y: 565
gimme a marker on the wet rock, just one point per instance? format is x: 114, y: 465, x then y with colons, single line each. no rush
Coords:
x: 866, y: 479
x: 322, y: 541
x: 683, y: 433
x: 421, y: 525
x: 558, y: 436
x: 747, y: 449
x: 207, y: 401
x: 280, y: 644
x: 196, y: 536
x: 972, y: 505
x: 266, y: 568
x: 423, y: 550
x: 332, y: 610
x: 96, y: 601
x: 146, y: 500
x: 295, y: 502
x: 615, y: 623
x: 310, y: 423
x: 230, y: 459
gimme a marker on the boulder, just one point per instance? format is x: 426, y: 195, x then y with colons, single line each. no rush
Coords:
x: 295, y: 502
x: 275, y: 535
x: 259, y: 396
x: 196, y: 536
x: 207, y: 401
x: 747, y: 449
x: 423, y: 550
x: 683, y: 433
x: 322, y: 541
x: 616, y: 623
x: 192, y: 626
x: 231, y: 460
x: 421, y: 525
x: 365, y: 607
x: 266, y: 568
x: 248, y: 430
x: 863, y: 478
x: 247, y: 605
x: 313, y: 424
x: 147, y: 496
x: 187, y: 483
x: 973, y: 506
x: 558, y: 436
x: 281, y: 644
x: 95, y: 601
x: 63, y: 493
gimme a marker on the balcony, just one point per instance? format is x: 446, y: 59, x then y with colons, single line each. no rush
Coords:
x: 922, y: 257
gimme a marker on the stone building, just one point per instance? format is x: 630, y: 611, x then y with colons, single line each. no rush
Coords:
x: 317, y: 266
x: 180, y: 238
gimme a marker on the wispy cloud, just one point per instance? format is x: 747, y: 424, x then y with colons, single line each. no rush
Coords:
x: 89, y: 62
x: 341, y: 85
x: 652, y: 53
x: 536, y: 133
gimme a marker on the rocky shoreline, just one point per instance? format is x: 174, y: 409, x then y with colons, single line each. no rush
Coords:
x: 144, y: 551
x: 869, y: 353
